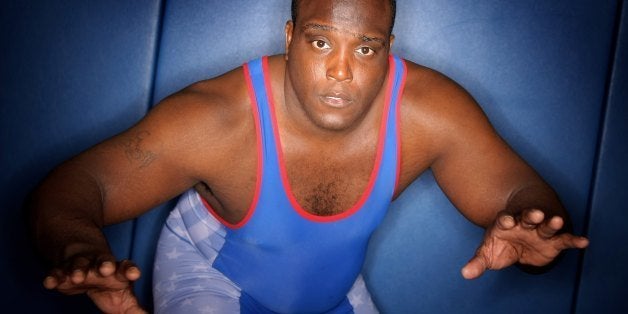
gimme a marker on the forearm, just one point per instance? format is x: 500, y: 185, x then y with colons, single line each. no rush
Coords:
x: 66, y: 215
x: 538, y: 196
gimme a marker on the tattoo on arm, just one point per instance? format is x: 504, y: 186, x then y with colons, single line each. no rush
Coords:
x: 134, y: 151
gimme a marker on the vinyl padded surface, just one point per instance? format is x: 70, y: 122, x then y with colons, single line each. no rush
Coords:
x: 71, y: 74
x: 603, y: 284
x: 539, y: 72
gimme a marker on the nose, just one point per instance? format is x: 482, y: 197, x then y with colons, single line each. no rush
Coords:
x: 339, y: 67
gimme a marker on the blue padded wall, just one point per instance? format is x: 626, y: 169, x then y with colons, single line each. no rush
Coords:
x: 71, y: 74
x: 603, y: 280
x: 539, y: 70
x: 203, y: 39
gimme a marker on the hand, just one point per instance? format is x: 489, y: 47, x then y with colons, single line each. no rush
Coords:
x: 531, y: 240
x: 107, y: 282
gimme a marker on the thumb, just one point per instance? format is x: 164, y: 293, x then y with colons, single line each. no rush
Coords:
x: 474, y: 268
x: 136, y: 310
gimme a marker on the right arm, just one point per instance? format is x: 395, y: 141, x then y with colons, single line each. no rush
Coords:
x: 120, y: 179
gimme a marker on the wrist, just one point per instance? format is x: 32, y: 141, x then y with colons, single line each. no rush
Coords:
x: 539, y: 270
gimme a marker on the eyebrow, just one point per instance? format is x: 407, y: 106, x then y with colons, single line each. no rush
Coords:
x: 362, y: 37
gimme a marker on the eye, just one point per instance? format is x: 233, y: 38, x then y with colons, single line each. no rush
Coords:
x: 367, y: 51
x: 320, y: 44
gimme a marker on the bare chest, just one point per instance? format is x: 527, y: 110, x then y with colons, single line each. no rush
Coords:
x: 328, y: 186
x: 321, y: 185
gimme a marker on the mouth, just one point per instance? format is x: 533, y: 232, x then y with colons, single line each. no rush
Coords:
x: 336, y: 100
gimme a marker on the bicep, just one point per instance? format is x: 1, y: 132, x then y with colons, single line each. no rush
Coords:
x: 142, y: 167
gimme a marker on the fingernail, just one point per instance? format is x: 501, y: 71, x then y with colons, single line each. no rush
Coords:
x: 467, y: 273
x: 507, y: 221
x: 49, y: 282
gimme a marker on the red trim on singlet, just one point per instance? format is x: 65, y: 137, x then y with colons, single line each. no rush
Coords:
x: 260, y: 160
x: 376, y: 166
x: 398, y: 123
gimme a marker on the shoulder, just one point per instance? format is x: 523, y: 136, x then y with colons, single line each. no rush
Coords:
x: 437, y: 105
x: 224, y: 100
x: 430, y: 92
x: 438, y: 116
x: 206, y: 109
x: 219, y: 98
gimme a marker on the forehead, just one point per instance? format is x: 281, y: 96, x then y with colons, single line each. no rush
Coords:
x: 371, y: 16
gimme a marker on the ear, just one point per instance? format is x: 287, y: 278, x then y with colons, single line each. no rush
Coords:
x: 289, y: 30
x: 391, y: 40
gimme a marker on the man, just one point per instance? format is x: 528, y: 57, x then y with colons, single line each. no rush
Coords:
x: 289, y: 163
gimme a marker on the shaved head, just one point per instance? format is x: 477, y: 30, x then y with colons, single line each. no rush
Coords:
x: 393, y: 10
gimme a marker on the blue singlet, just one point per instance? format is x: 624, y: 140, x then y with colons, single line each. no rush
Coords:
x: 281, y: 258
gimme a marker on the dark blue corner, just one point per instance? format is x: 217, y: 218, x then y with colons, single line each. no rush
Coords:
x: 603, y: 274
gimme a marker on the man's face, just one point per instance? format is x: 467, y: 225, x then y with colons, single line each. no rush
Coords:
x: 337, y: 59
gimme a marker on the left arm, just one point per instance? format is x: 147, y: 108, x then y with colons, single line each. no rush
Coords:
x: 485, y: 179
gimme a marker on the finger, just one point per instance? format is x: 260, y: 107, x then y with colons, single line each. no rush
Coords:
x: 55, y: 277
x: 79, y: 269
x: 133, y: 273
x: 128, y: 270
x: 60, y: 280
x: 474, y: 268
x: 106, y: 269
x: 570, y: 241
x: 531, y: 218
x: 50, y: 282
x: 105, y: 265
x: 549, y: 228
x: 505, y: 221
x: 581, y: 242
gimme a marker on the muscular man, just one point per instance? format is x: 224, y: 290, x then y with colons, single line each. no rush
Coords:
x: 287, y: 165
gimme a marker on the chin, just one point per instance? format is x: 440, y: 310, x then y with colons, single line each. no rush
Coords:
x: 334, y: 119
x: 334, y: 123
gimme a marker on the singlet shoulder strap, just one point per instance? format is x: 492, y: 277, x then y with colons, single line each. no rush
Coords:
x: 393, y: 133
x: 258, y: 91
x: 399, y: 80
